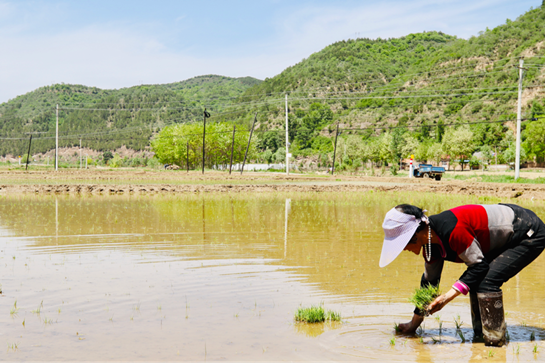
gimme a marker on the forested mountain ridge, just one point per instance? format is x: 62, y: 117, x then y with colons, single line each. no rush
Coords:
x: 411, y: 91
x: 355, y: 64
x: 96, y: 113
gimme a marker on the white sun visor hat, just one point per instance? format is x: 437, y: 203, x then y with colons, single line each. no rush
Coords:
x: 398, y: 231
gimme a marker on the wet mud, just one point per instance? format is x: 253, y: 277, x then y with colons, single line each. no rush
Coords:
x: 131, y: 182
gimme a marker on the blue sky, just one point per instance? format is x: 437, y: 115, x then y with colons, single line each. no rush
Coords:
x: 121, y: 43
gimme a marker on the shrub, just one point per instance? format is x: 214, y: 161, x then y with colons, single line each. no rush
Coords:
x: 107, y: 156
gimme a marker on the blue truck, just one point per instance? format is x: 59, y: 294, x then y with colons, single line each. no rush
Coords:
x: 428, y: 171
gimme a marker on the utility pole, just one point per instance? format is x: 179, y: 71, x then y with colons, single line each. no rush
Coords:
x: 248, y: 147
x: 519, y: 117
x: 496, y: 154
x: 206, y: 114
x: 335, y: 150
x: 80, y: 159
x: 28, y: 154
x: 232, y: 149
x: 287, y: 141
x: 57, y: 140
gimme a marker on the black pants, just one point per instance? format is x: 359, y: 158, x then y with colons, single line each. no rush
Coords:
x: 527, y: 243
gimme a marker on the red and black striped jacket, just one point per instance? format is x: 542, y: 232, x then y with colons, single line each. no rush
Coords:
x: 470, y: 234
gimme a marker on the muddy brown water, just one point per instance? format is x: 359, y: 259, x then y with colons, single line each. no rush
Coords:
x: 219, y: 277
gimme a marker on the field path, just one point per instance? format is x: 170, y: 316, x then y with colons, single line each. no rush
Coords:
x: 139, y: 181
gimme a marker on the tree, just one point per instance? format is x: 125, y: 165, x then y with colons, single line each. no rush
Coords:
x: 107, y: 156
x: 440, y: 130
x: 266, y: 156
x: 409, y: 146
x: 459, y: 143
x: 535, y: 140
x: 486, y: 154
x: 319, y: 115
x: 384, y: 150
x: 510, y: 154
x: 116, y: 161
x: 350, y: 148
x: 304, y: 136
x: 271, y: 140
x: 435, y: 152
x: 171, y: 145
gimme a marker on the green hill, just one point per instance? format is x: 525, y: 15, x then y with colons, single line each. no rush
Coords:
x: 411, y: 87
x: 108, y: 119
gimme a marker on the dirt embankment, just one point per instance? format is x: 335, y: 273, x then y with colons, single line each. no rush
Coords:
x: 138, y: 182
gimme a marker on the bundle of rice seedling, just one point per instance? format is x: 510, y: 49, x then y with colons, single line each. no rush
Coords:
x: 422, y: 298
x: 316, y: 314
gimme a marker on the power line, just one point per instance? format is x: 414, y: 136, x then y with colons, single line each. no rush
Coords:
x: 174, y: 121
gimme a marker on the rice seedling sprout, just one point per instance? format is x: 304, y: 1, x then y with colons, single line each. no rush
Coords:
x: 458, y: 322
x: 13, y: 311
x: 393, y: 341
x: 491, y: 353
x: 461, y: 336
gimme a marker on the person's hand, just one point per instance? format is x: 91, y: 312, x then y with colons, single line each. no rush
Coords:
x: 410, y: 327
x: 442, y: 300
x: 406, y: 328
x: 437, y: 304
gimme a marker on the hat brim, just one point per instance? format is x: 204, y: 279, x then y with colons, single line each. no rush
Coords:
x: 392, y: 247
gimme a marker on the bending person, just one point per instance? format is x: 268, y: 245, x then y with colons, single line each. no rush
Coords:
x: 495, y: 241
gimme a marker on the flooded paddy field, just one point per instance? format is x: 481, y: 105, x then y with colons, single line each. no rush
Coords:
x: 219, y: 277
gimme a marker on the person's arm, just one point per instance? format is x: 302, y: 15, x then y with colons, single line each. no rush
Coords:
x: 442, y: 300
x: 410, y: 327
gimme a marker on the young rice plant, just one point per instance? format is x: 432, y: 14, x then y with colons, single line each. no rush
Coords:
x: 316, y: 314
x: 422, y: 297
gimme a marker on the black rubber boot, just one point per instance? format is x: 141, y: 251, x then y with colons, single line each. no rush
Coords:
x: 476, y: 317
x: 493, y: 318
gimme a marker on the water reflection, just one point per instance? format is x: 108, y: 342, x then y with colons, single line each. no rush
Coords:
x: 244, y: 263
x: 314, y: 330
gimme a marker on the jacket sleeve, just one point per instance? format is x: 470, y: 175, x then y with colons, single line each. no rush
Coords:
x: 474, y: 274
x: 477, y: 266
x: 431, y: 276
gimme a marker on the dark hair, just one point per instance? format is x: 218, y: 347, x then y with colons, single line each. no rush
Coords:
x: 415, y: 211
